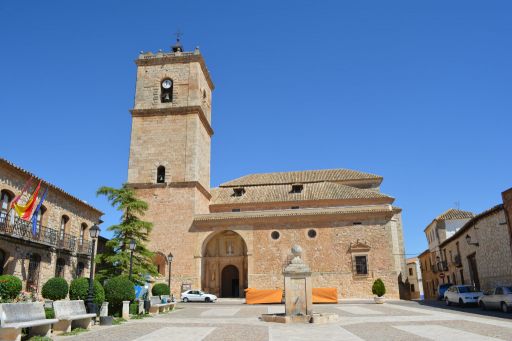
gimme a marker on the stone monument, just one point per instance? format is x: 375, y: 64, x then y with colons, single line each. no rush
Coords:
x: 298, y: 295
x: 297, y: 287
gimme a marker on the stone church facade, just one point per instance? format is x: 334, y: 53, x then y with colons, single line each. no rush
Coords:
x: 238, y: 235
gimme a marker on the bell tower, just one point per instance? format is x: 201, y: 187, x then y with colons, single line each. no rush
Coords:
x: 169, y: 164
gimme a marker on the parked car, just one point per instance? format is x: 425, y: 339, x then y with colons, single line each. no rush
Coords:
x: 441, y: 289
x: 197, y: 296
x: 462, y: 294
x: 497, y: 298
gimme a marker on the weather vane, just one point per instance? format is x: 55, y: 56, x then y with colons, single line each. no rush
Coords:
x: 178, y: 34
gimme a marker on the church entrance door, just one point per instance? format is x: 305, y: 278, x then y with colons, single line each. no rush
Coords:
x: 230, y: 282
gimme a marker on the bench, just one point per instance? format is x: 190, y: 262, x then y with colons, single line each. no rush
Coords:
x: 170, y: 300
x: 15, y: 316
x: 157, y: 306
x: 71, y: 314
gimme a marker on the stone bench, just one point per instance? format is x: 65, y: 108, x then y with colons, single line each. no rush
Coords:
x: 15, y: 316
x: 158, y: 307
x: 71, y: 314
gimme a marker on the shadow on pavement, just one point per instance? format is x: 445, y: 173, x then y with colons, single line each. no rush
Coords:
x: 470, y: 309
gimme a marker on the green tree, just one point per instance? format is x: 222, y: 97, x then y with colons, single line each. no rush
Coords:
x: 116, y: 259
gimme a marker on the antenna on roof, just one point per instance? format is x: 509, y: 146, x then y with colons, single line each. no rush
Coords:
x: 456, y: 204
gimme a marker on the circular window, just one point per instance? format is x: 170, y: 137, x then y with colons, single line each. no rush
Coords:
x: 311, y: 233
x: 275, y: 235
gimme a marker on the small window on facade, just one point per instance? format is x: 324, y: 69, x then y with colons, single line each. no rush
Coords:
x: 160, y: 174
x: 59, y: 267
x: 63, y: 223
x: 235, y: 210
x: 412, y: 288
x: 80, y: 269
x: 297, y: 188
x: 311, y: 233
x: 238, y: 192
x: 83, y: 229
x: 275, y: 235
x: 39, y: 219
x: 410, y: 272
x: 5, y: 199
x: 361, y: 265
x: 166, y: 91
x: 357, y: 223
x: 295, y: 207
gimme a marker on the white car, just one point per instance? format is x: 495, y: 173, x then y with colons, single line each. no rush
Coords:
x: 498, y: 298
x: 462, y: 294
x: 197, y: 296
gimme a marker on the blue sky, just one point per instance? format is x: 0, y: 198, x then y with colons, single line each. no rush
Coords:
x: 416, y: 91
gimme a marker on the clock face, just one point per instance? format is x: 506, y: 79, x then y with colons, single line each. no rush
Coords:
x: 166, y: 84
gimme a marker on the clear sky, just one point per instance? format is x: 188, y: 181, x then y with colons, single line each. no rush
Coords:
x: 416, y: 91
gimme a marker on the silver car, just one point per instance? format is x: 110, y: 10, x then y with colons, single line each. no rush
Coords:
x: 497, y: 298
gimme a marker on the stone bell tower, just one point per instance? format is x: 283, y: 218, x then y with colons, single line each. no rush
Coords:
x: 169, y: 164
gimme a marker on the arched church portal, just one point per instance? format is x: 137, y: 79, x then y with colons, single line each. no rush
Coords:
x: 224, y: 264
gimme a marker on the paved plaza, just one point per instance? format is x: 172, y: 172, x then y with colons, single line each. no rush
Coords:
x: 359, y: 320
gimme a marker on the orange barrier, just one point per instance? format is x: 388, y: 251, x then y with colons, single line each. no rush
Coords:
x: 258, y: 296
x: 325, y: 295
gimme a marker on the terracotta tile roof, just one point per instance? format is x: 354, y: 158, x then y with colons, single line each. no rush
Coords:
x: 453, y: 213
x: 308, y: 176
x: 58, y: 189
x: 282, y: 193
x: 298, y: 212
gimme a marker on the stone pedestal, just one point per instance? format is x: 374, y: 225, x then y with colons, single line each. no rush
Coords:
x: 104, y: 309
x: 297, y: 286
x: 126, y: 310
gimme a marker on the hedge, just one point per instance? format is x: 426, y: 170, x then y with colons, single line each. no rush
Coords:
x: 10, y: 287
x: 160, y: 289
x: 117, y: 290
x: 55, y: 289
x: 79, y: 290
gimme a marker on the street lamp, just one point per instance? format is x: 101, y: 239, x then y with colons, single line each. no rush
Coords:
x: 132, y: 246
x: 468, y: 240
x: 169, y: 259
x: 94, y: 232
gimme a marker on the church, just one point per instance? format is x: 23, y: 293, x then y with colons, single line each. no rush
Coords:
x: 238, y: 235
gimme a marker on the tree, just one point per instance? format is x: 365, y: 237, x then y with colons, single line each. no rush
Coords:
x: 116, y: 259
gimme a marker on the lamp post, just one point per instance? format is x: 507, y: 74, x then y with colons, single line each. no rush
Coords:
x: 169, y: 259
x: 133, y: 245
x: 94, y: 232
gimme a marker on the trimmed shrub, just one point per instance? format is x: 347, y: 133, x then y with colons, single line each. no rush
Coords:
x: 160, y: 289
x: 55, y: 289
x: 79, y: 290
x: 378, y: 288
x: 10, y: 287
x: 134, y: 308
x: 117, y: 290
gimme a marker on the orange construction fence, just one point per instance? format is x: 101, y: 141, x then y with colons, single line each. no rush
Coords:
x: 259, y: 296
x: 325, y: 295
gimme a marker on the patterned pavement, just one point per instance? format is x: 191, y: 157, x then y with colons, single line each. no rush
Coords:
x: 231, y: 320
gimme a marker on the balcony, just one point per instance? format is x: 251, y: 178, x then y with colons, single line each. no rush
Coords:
x: 21, y: 229
x: 442, y: 266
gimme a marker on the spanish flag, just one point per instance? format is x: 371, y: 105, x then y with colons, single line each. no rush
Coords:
x: 25, y: 211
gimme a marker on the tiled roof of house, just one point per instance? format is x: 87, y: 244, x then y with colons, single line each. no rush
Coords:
x: 283, y: 193
x: 308, y: 176
x: 298, y: 212
x: 58, y: 189
x: 475, y: 219
x: 453, y: 214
